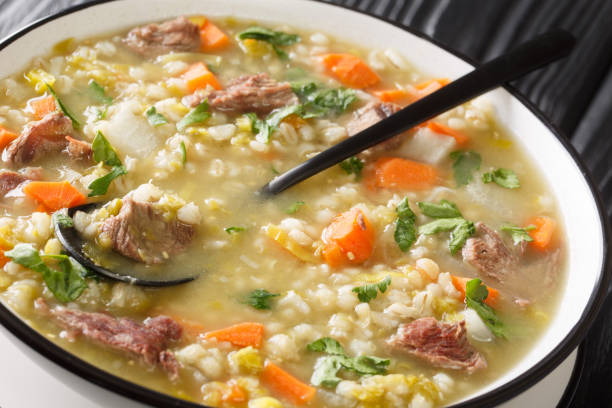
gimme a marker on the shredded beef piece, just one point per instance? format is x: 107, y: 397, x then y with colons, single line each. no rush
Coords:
x: 369, y: 115
x: 179, y: 35
x: 9, y: 180
x: 250, y: 93
x: 441, y: 344
x: 148, y: 339
x: 39, y: 139
x: 141, y: 233
x: 488, y: 253
x: 78, y: 149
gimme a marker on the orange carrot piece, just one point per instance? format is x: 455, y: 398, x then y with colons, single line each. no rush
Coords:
x: 234, y: 393
x: 349, y: 239
x: 6, y: 137
x: 350, y: 70
x: 286, y: 385
x: 438, y: 83
x: 54, y: 195
x: 543, y: 233
x: 42, y: 106
x: 212, y: 39
x: 459, y: 137
x: 460, y: 282
x: 391, y: 95
x: 241, y: 335
x: 401, y: 174
x: 198, y: 76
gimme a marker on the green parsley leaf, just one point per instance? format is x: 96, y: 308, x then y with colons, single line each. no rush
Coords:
x: 100, y: 185
x: 368, y: 292
x: 475, y: 294
x: 260, y: 299
x: 274, y: 170
x: 465, y: 163
x: 103, y: 151
x: 441, y: 225
x: 75, y: 122
x: 98, y: 94
x: 326, y: 368
x: 62, y: 220
x: 197, y: 115
x: 459, y: 235
x: 183, y: 153
x: 502, y: 177
x: 155, y: 119
x: 327, y: 345
x: 518, y: 234
x: 263, y: 128
x: 274, y: 38
x: 445, y: 209
x: 405, y: 227
x: 294, y: 207
x: 234, y: 230
x: 352, y: 165
x: 318, y: 101
x: 101, y: 114
x: 66, y: 284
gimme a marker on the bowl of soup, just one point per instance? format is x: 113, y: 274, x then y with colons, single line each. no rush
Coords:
x: 456, y: 264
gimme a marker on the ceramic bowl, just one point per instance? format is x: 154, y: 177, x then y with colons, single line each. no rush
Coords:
x: 579, y: 204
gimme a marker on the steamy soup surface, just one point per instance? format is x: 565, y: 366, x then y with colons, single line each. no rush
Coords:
x: 413, y: 274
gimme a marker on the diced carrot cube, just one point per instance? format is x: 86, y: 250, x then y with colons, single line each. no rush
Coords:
x: 212, y: 39
x: 198, y: 77
x: 350, y: 70
x: 401, y: 174
x: 459, y: 137
x: 6, y: 137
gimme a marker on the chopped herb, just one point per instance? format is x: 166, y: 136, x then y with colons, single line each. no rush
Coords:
x: 274, y: 170
x: 445, y: 209
x: 155, y: 119
x: 197, y: 115
x: 405, y: 227
x: 101, y: 114
x: 66, y: 284
x: 234, y: 230
x: 263, y: 128
x: 318, y: 101
x: 294, y: 207
x: 183, y: 153
x: 368, y: 292
x: 275, y: 38
x: 459, y: 235
x: 75, y: 123
x: 260, y: 299
x: 98, y: 94
x: 475, y: 294
x: 352, y: 165
x: 441, y: 225
x: 465, y: 163
x: 104, y: 152
x: 503, y: 177
x: 518, y: 234
x: 62, y: 220
x: 326, y: 369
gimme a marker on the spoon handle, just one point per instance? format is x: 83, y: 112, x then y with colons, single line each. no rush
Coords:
x: 525, y: 58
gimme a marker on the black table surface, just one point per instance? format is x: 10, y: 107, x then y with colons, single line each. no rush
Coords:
x: 576, y: 94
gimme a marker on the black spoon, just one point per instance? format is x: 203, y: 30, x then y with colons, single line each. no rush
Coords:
x: 516, y: 63
x: 525, y: 58
x: 73, y: 244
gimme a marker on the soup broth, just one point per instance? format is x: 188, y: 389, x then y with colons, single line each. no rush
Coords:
x: 380, y: 255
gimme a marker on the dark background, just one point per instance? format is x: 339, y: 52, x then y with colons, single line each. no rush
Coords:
x: 576, y: 94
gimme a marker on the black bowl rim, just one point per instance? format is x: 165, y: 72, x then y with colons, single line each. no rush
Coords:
x: 76, y: 365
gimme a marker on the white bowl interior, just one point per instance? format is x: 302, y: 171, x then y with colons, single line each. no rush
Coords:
x: 576, y: 202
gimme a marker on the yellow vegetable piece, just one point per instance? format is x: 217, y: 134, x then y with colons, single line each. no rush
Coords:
x: 282, y: 238
x: 37, y: 78
x: 244, y: 123
x: 197, y: 20
x: 376, y: 277
x: 255, y: 48
x: 248, y: 360
x: 64, y: 46
x: 265, y: 402
x: 501, y: 143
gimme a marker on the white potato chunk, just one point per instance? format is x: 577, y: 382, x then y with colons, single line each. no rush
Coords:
x: 427, y: 146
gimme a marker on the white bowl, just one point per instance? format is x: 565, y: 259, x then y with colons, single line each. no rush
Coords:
x: 579, y: 205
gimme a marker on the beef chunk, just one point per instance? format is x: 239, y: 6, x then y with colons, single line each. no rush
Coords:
x: 251, y: 93
x: 488, y: 253
x: 39, y: 139
x: 78, y: 149
x: 9, y: 180
x: 179, y: 35
x: 369, y: 115
x: 141, y: 233
x: 441, y: 344
x: 148, y: 339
